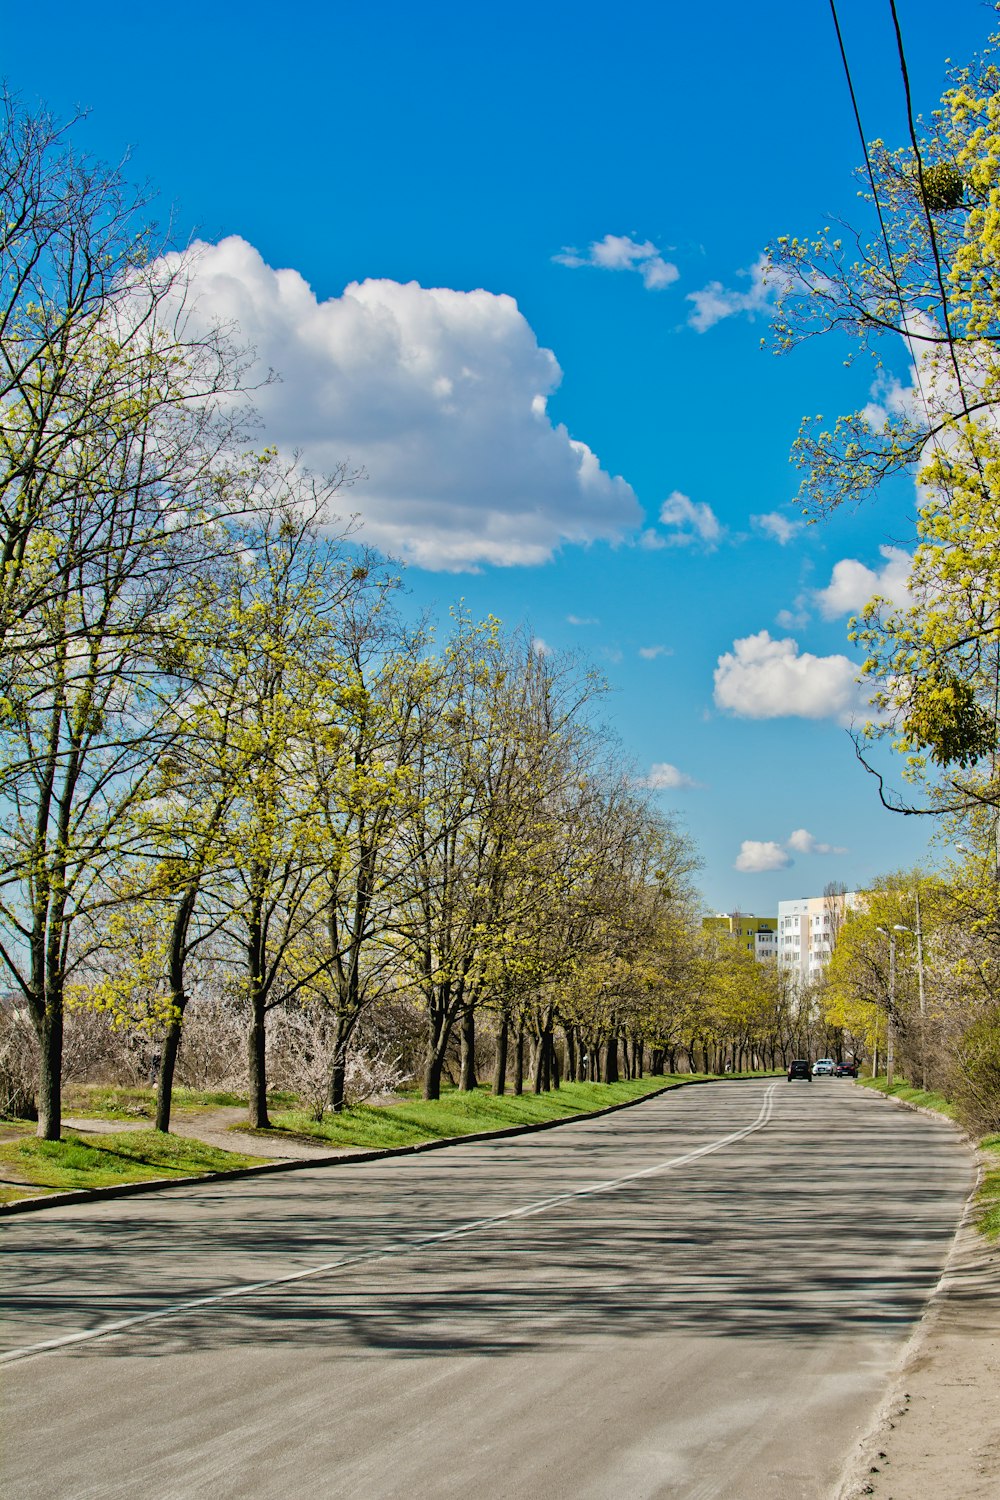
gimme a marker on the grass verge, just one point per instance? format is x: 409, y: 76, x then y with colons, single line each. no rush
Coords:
x: 379, y: 1126
x: 988, y: 1197
x: 925, y: 1098
x: 131, y: 1156
x: 97, y: 1101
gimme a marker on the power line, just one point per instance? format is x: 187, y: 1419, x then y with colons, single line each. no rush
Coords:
x: 893, y: 275
x: 939, y: 274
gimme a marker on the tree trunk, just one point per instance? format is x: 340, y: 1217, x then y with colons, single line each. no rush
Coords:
x: 257, y: 1063
x: 178, y: 998
x: 538, y: 1065
x: 500, y: 1068
x: 467, y: 1079
x: 432, y: 1075
x: 570, y: 1054
x: 519, y: 1060
x: 338, y: 1072
x: 50, y: 1042
x: 611, y: 1074
x: 553, y: 1060
x: 165, y: 1082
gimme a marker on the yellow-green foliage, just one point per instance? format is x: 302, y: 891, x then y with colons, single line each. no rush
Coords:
x: 933, y: 662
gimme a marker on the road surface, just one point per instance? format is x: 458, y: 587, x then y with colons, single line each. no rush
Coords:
x: 701, y: 1297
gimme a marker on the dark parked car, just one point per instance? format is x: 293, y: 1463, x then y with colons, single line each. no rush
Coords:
x: 800, y: 1069
x: 846, y: 1070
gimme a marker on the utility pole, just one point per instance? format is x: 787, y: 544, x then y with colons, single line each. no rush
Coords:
x: 890, y: 1038
x: 920, y: 992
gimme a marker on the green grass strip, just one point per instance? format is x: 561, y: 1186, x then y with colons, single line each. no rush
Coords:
x: 988, y: 1196
x: 925, y: 1098
x: 104, y: 1161
x: 382, y: 1126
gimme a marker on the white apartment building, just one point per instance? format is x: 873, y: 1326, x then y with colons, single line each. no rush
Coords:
x: 807, y: 931
x: 765, y: 945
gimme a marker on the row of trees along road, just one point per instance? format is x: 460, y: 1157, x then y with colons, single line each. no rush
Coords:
x: 920, y: 277
x: 226, y: 765
x: 234, y: 781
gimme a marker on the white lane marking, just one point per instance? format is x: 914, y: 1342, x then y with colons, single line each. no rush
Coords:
x: 176, y: 1309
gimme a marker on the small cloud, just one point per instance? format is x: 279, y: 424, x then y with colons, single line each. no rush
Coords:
x: 802, y: 842
x: 890, y: 398
x: 693, y: 522
x: 777, y: 526
x: 715, y: 302
x: 664, y: 777
x: 540, y: 647
x: 650, y: 653
x: 652, y: 541
x: 789, y: 619
x: 582, y: 620
x: 612, y: 654
x: 763, y: 678
x: 619, y: 252
x: 852, y: 584
x: 758, y: 855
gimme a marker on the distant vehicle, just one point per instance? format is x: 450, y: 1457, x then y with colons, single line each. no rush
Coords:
x: 846, y: 1070
x: 823, y: 1067
x: 799, y: 1069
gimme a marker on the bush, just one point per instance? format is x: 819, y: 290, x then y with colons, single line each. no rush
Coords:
x: 18, y: 1066
x: 976, y: 1089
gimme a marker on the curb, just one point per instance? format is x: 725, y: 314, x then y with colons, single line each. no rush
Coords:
x: 340, y: 1159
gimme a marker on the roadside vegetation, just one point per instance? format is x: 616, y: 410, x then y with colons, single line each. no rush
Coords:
x: 28, y: 1164
x: 988, y: 1197
x: 922, y: 1098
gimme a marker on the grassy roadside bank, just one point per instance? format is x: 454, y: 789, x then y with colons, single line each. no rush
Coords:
x: 28, y: 1165
x: 412, y: 1119
x: 988, y: 1194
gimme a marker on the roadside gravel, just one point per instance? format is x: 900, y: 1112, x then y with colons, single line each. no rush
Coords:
x: 937, y: 1433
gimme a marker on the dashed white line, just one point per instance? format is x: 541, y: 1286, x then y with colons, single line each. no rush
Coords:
x: 473, y: 1226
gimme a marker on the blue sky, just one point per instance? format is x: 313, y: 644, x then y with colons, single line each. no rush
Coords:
x: 508, y: 231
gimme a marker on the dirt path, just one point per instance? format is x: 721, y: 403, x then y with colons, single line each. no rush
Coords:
x: 937, y: 1436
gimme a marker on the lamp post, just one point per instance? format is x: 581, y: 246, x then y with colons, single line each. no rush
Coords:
x: 917, y: 933
x: 889, y: 1028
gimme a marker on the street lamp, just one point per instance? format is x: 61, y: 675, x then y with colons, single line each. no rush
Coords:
x: 890, y: 1037
x: 918, y: 934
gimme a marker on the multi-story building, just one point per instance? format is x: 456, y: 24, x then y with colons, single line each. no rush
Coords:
x: 808, y: 928
x: 758, y: 935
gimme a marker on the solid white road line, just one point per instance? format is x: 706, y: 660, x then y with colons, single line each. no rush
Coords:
x: 473, y: 1226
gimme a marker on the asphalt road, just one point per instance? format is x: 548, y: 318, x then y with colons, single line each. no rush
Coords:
x: 699, y: 1297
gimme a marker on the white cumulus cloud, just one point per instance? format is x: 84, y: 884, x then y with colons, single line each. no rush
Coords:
x: 763, y: 678
x: 438, y: 395
x: 757, y: 855
x: 852, y: 584
x: 802, y: 841
x: 619, y: 252
x: 692, y: 522
x: 715, y: 302
x: 665, y: 777
x: 779, y: 527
